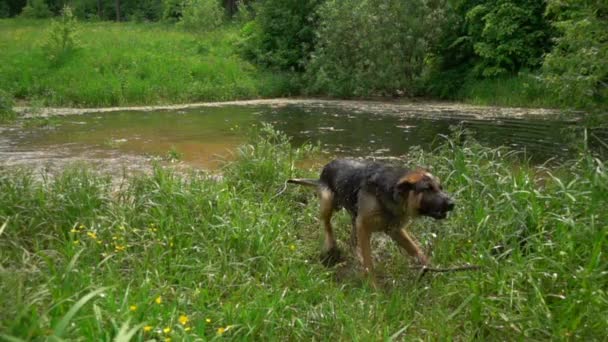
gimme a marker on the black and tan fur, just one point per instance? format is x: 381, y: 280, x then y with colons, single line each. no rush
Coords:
x: 379, y: 198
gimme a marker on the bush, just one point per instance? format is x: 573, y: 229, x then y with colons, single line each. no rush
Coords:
x: 201, y: 15
x: 282, y: 33
x: 577, y: 68
x: 5, y: 10
x: 62, y: 37
x: 372, y: 47
x: 36, y: 9
x: 172, y: 10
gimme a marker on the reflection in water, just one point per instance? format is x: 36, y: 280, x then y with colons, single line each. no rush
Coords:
x: 201, y: 135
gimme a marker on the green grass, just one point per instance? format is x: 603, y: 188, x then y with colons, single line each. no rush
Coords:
x: 514, y: 91
x: 232, y: 255
x: 129, y: 64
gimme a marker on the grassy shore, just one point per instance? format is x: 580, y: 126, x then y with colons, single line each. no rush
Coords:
x: 129, y: 64
x: 186, y: 257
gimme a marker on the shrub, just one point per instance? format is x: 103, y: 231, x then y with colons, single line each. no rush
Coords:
x: 62, y: 37
x: 201, y: 15
x: 36, y: 9
x: 172, y: 10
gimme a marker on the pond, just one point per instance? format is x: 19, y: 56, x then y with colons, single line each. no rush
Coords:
x: 205, y: 135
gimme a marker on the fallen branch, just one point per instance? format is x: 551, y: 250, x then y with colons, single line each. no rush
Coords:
x: 425, y: 269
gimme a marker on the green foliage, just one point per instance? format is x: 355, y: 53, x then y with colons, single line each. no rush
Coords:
x: 62, y: 37
x: 36, y: 9
x: 484, y: 39
x: 577, y: 68
x: 508, y: 35
x: 242, y: 263
x: 282, y: 33
x: 6, y: 107
x: 372, y: 47
x: 201, y: 15
x: 172, y: 10
x: 5, y: 10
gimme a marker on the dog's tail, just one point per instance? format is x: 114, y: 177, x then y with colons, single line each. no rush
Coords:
x: 315, y: 183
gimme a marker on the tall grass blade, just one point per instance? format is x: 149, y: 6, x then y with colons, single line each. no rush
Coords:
x: 61, y: 326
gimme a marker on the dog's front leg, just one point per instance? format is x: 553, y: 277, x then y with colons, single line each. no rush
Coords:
x: 405, y: 241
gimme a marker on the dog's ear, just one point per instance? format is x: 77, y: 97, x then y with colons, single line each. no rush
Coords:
x: 408, y: 182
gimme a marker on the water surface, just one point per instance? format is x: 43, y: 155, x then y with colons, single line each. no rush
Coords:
x: 204, y: 136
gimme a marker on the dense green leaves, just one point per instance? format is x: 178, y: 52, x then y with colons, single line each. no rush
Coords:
x: 507, y: 35
x: 578, y: 65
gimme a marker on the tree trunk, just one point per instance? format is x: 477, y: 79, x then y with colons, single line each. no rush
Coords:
x: 117, y: 10
x: 99, y: 10
x: 231, y: 6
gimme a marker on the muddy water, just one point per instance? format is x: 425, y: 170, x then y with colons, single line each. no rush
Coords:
x: 203, y: 136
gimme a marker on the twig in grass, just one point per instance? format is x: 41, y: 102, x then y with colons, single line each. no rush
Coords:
x: 282, y: 190
x: 425, y: 269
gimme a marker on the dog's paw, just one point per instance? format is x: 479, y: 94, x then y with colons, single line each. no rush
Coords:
x: 331, y: 257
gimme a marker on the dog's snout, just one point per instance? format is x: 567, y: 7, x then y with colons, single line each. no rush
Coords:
x: 449, y: 204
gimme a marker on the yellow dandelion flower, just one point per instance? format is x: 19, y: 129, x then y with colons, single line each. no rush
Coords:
x: 167, y: 330
x: 81, y: 226
x: 168, y: 339
x: 119, y: 248
x: 76, y: 242
x: 92, y: 235
x: 183, y: 319
x: 133, y: 308
x: 221, y: 330
x: 292, y: 247
x: 147, y: 328
x: 158, y: 300
x: 74, y: 230
x: 208, y: 320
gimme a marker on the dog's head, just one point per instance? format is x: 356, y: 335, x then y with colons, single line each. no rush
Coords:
x: 424, y: 195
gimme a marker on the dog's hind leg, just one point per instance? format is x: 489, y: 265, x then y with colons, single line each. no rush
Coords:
x: 331, y: 254
x: 364, y: 235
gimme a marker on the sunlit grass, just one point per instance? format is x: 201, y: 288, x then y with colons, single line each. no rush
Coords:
x: 186, y: 256
x: 128, y: 63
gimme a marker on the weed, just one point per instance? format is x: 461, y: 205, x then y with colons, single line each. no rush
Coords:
x: 7, y: 114
x: 173, y: 155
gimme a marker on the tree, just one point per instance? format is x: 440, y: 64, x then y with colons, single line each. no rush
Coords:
x: 372, y: 47
x: 577, y: 68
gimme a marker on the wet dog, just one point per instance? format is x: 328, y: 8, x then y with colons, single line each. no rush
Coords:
x: 379, y: 198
